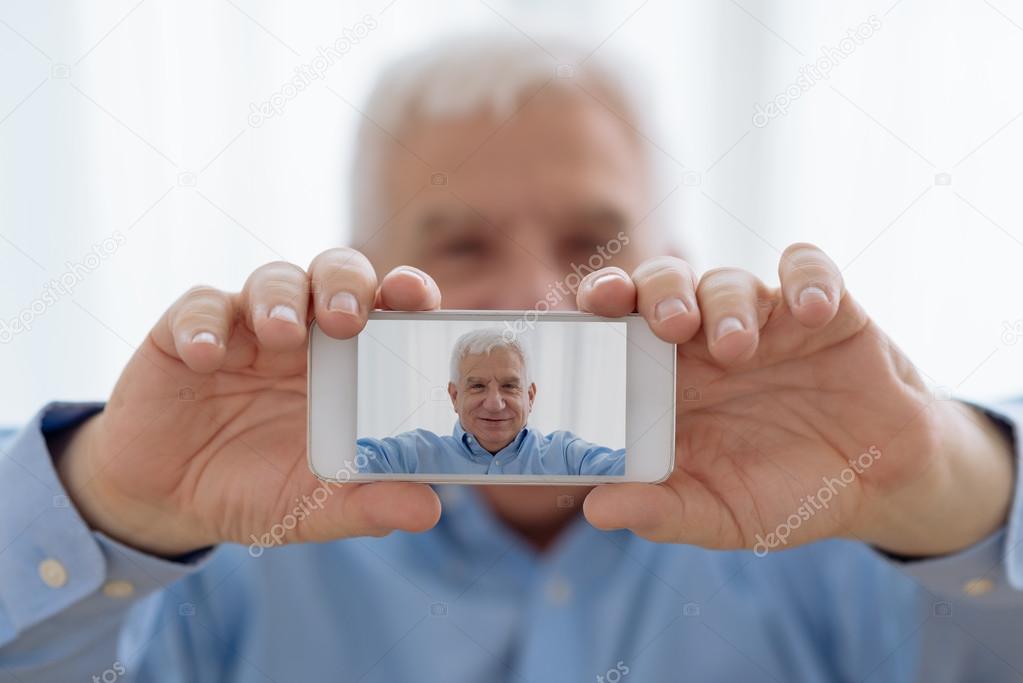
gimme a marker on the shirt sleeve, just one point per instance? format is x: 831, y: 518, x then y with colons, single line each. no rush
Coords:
x: 65, y: 589
x: 380, y: 456
x: 588, y: 459
x: 989, y: 573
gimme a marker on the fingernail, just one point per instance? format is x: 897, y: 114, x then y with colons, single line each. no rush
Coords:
x: 344, y: 302
x: 669, y: 308
x: 285, y: 313
x: 205, y: 338
x: 812, y: 295
x: 413, y: 272
x: 727, y: 326
x: 608, y: 277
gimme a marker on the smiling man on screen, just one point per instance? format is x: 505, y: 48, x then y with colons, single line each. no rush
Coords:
x: 492, y: 392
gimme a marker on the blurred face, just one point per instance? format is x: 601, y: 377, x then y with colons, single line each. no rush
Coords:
x: 491, y: 397
x: 499, y: 210
x: 517, y: 203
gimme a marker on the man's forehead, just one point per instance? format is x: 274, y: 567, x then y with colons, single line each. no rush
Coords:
x: 499, y: 362
x: 549, y: 140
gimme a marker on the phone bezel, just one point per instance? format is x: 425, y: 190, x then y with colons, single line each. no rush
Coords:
x: 648, y: 386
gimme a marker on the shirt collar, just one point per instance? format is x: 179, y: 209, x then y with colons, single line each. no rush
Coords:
x: 473, y: 446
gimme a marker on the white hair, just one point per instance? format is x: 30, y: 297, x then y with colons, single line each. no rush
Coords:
x: 483, y: 341
x: 495, y: 73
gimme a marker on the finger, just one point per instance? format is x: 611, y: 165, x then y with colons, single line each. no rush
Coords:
x: 276, y: 302
x: 609, y: 292
x: 659, y: 513
x: 666, y: 296
x: 378, y: 508
x: 811, y: 284
x: 408, y: 289
x: 344, y: 285
x: 196, y: 328
x: 732, y: 304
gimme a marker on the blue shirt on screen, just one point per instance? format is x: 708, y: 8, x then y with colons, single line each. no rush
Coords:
x: 530, y: 452
x: 470, y: 601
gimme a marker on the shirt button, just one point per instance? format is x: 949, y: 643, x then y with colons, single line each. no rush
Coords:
x: 559, y: 591
x: 52, y: 573
x: 978, y: 587
x: 118, y: 588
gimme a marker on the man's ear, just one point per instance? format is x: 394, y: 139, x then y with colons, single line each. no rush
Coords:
x: 532, y: 394
x: 453, y: 393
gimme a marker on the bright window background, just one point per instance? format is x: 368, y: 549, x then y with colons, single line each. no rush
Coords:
x: 130, y: 120
x: 578, y: 368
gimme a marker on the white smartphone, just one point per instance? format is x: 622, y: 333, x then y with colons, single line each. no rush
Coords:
x: 492, y: 397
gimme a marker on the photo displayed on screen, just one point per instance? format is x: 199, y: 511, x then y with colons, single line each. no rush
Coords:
x: 505, y: 398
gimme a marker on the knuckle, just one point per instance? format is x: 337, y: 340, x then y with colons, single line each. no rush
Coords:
x: 203, y: 318
x: 725, y: 277
x: 805, y: 254
x: 279, y: 288
x: 406, y: 269
x: 606, y: 270
x: 800, y: 247
x: 340, y: 258
x: 809, y: 270
x: 200, y: 305
x: 660, y: 266
x: 200, y: 292
x: 277, y: 270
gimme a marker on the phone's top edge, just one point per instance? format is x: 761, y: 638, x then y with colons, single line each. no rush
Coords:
x: 531, y: 315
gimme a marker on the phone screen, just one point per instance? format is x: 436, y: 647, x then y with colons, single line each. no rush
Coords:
x: 479, y: 397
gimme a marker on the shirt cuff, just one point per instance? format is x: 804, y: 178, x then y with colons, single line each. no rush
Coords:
x: 989, y: 573
x: 49, y: 558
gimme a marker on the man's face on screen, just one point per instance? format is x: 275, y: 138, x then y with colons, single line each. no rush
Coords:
x: 491, y: 398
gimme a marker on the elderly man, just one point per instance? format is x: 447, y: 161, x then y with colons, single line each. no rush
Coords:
x: 492, y: 392
x: 736, y: 568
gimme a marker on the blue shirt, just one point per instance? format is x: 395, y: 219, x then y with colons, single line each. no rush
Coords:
x: 530, y: 452
x: 469, y: 601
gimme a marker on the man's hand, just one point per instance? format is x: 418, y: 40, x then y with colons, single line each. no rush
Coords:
x: 798, y: 420
x: 203, y: 439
